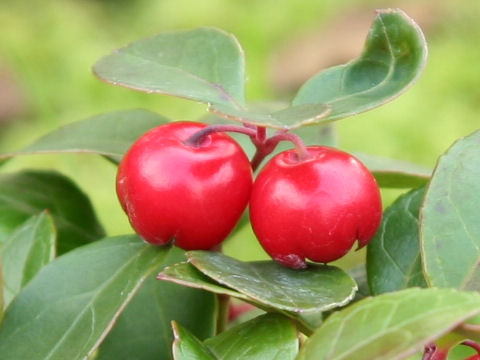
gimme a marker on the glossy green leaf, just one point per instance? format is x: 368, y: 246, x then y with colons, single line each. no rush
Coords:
x: 392, y: 60
x: 323, y: 287
x: 29, y: 192
x: 450, y: 227
x: 266, y: 337
x: 390, y: 326
x: 187, y: 275
x: 184, y: 273
x: 69, y: 307
x: 143, y: 331
x: 392, y: 173
x: 203, y: 64
x: 25, y: 252
x: 286, y: 119
x: 393, y: 255
x: 108, y: 134
x: 187, y: 347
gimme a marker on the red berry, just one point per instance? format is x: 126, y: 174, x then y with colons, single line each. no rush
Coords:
x: 176, y: 192
x: 314, y: 208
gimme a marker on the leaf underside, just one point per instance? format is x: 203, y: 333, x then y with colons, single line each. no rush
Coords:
x: 109, y: 135
x: 393, y: 58
x: 204, y: 64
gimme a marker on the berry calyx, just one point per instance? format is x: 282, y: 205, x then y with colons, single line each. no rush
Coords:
x: 174, y: 192
x: 314, y: 208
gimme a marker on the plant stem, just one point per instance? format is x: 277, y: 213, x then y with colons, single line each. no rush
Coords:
x: 300, y: 147
x: 258, y: 135
x: 271, y: 143
x: 222, y: 314
x: 473, y: 345
x: 197, y: 138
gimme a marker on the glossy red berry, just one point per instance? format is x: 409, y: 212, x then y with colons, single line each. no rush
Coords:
x: 191, y: 195
x: 314, y: 208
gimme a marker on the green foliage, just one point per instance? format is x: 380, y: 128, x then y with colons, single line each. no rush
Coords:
x: 103, y: 298
x: 394, y: 56
x: 29, y: 248
x: 68, y: 308
x: 204, y: 64
x: 390, y: 326
x: 109, y: 135
x: 70, y: 207
x: 450, y: 229
x: 155, y: 305
x: 393, y: 255
x: 266, y: 337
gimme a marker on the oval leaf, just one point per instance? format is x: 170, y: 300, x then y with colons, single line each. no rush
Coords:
x: 450, y: 229
x: 27, y: 193
x: 185, y: 274
x: 393, y: 255
x: 69, y: 307
x: 187, y: 347
x: 392, y: 60
x: 286, y: 119
x: 390, y: 326
x: 203, y: 64
x: 266, y: 337
x: 152, y: 309
x: 392, y: 173
x: 324, y: 287
x: 108, y: 134
x: 25, y: 252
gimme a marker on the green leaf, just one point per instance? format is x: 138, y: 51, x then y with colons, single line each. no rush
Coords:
x: 392, y: 60
x: 266, y: 282
x: 143, y: 331
x: 184, y: 273
x: 286, y: 119
x: 450, y: 229
x: 390, y: 326
x: 266, y: 337
x: 108, y: 134
x: 25, y: 252
x: 392, y: 173
x: 187, y: 347
x: 187, y: 275
x: 1, y: 292
x: 29, y: 192
x: 203, y: 64
x: 393, y: 255
x: 69, y: 307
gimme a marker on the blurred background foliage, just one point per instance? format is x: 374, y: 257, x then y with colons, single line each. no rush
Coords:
x: 47, y: 49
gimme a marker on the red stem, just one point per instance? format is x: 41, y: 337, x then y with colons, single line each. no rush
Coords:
x: 258, y: 135
x: 197, y: 138
x: 473, y: 345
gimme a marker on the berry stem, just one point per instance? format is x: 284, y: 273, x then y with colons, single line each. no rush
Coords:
x: 295, y: 139
x: 196, y: 139
x: 258, y: 135
x: 473, y: 345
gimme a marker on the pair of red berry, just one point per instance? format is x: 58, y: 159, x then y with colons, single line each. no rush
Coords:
x: 193, y: 194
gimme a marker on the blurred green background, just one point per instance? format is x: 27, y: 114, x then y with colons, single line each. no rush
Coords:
x: 47, y: 49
